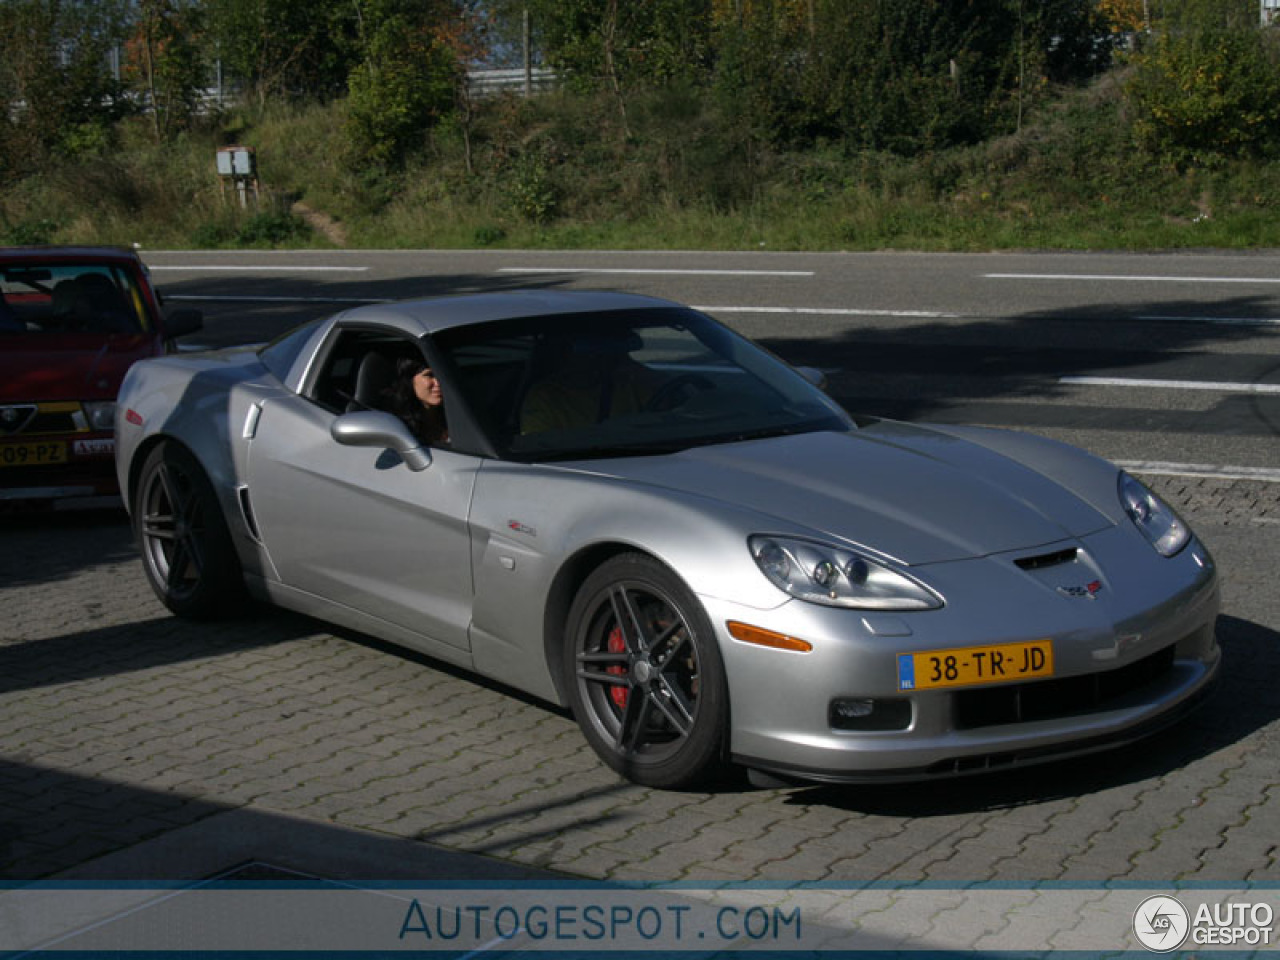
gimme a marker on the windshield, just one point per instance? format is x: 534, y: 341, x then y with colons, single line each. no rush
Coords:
x: 631, y: 382
x: 70, y: 298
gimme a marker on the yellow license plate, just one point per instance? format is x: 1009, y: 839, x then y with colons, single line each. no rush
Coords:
x: 32, y: 454
x: 972, y: 666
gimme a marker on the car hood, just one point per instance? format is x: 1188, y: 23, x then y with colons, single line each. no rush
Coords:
x: 916, y: 495
x: 68, y: 366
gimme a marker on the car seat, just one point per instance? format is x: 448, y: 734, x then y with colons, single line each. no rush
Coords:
x: 99, y: 305
x: 373, y: 378
x: 62, y: 305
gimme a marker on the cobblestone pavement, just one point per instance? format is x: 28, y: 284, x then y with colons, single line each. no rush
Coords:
x: 119, y: 723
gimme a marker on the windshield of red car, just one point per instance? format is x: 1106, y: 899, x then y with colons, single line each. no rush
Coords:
x: 626, y: 383
x: 82, y: 298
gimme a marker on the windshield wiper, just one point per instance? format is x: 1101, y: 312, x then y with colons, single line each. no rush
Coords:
x: 617, y: 450
x: 766, y: 432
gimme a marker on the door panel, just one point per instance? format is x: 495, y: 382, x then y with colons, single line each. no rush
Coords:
x: 356, y: 526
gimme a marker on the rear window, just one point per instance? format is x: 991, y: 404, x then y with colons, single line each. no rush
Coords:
x: 71, y: 298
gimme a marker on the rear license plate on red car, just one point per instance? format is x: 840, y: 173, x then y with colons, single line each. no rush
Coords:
x: 32, y: 454
x: 971, y: 666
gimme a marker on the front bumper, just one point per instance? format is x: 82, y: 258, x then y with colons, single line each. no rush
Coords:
x: 88, y: 472
x: 1128, y: 661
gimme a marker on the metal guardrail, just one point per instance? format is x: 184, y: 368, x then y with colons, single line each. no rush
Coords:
x: 487, y: 83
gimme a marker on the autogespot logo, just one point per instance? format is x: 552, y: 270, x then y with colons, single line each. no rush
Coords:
x: 1161, y: 924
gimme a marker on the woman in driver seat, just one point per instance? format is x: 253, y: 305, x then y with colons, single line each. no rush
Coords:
x: 415, y: 396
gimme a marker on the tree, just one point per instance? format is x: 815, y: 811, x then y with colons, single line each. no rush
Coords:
x: 164, y: 63
x: 1201, y: 95
x: 619, y: 46
x: 294, y: 48
x: 406, y: 77
x: 904, y: 75
x: 56, y: 92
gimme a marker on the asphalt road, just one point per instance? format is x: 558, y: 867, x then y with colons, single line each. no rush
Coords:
x: 120, y: 725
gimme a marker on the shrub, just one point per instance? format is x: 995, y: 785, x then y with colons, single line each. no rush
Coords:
x: 488, y: 234
x: 530, y: 189
x: 270, y: 229
x: 1208, y: 94
x: 28, y: 233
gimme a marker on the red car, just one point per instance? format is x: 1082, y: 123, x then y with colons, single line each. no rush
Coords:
x: 72, y: 321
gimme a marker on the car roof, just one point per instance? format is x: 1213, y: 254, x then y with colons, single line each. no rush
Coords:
x: 54, y: 254
x: 416, y: 317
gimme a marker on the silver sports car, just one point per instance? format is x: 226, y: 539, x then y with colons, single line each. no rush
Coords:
x: 630, y: 510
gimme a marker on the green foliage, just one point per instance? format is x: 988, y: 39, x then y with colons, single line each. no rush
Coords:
x: 52, y: 82
x: 165, y: 67
x: 530, y: 189
x: 488, y: 235
x: 30, y: 232
x: 211, y: 235
x: 91, y: 139
x: 404, y: 83
x: 904, y: 75
x: 284, y: 48
x: 270, y: 228
x: 1208, y: 94
x: 261, y: 229
x: 871, y: 123
x: 617, y: 45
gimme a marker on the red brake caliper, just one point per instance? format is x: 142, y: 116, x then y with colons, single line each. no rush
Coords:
x: 617, y: 645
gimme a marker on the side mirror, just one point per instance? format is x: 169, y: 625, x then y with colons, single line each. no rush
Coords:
x: 182, y: 322
x: 373, y: 428
x: 814, y: 376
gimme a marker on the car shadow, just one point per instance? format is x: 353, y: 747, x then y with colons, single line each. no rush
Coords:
x: 90, y: 653
x: 926, y: 370
x: 1244, y: 703
x: 40, y: 546
x: 254, y: 310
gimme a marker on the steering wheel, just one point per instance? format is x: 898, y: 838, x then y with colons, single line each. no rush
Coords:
x: 670, y: 394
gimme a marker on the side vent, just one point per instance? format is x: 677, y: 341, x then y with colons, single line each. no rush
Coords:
x: 1047, y: 559
x: 251, y: 421
x: 246, y: 511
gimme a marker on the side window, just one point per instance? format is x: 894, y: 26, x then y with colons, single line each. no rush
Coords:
x: 494, y: 376
x: 359, y: 368
x: 280, y: 354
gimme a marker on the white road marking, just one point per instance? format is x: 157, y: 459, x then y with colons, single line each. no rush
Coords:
x: 661, y: 272
x: 1218, y: 386
x: 220, y: 298
x: 1115, y: 276
x: 799, y: 311
x: 1224, y: 321
x: 262, y: 268
x: 834, y: 312
x: 1206, y: 470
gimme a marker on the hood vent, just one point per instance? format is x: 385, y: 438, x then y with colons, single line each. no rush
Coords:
x: 1043, y: 560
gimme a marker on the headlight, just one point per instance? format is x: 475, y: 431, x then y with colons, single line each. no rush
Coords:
x: 837, y: 576
x: 101, y: 414
x: 1155, y: 518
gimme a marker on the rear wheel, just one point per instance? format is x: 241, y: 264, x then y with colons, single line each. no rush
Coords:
x: 646, y: 680
x: 187, y: 551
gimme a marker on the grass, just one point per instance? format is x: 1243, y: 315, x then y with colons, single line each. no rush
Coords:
x: 555, y: 173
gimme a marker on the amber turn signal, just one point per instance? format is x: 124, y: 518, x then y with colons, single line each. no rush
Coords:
x: 766, y: 638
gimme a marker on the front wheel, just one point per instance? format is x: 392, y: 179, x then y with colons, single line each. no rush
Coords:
x: 646, y: 680
x: 187, y: 551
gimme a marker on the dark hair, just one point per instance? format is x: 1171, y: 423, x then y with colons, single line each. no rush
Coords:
x: 428, y: 424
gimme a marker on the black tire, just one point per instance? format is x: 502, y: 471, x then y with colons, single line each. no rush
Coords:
x: 186, y: 547
x: 644, y: 674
